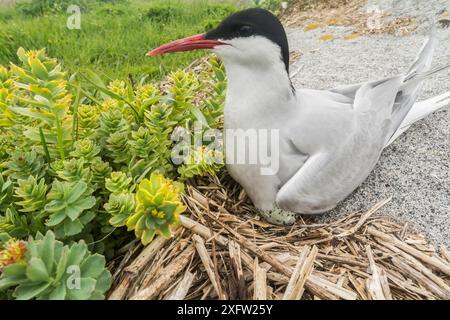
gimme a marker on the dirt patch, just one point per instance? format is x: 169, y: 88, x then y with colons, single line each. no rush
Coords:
x: 346, y: 13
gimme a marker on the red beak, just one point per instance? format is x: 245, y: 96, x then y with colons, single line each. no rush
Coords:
x: 186, y: 44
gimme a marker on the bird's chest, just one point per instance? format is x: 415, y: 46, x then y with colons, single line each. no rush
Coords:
x: 257, y: 137
x: 260, y: 109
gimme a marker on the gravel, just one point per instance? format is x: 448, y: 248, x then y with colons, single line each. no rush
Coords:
x: 415, y: 169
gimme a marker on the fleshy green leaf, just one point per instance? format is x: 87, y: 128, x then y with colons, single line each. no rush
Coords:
x: 87, y: 287
x: 36, y: 270
x: 72, y: 227
x: 59, y: 293
x: 46, y: 251
x: 92, y: 267
x: 30, y: 291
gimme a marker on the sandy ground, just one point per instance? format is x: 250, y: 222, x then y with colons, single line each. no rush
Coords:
x: 415, y: 169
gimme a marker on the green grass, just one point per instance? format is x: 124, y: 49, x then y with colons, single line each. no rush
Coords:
x: 114, y: 37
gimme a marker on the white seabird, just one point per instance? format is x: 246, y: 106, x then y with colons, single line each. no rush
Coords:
x: 329, y: 140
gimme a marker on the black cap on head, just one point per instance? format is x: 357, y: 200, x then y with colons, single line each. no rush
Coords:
x: 253, y: 22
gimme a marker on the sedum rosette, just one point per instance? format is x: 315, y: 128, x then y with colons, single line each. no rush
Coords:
x: 158, y: 207
x: 51, y: 270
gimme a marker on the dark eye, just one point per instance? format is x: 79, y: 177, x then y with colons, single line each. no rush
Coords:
x: 245, y: 31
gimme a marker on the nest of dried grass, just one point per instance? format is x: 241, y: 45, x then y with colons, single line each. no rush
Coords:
x: 223, y: 251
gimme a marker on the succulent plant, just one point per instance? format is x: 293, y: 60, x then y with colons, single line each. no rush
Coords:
x: 213, y: 108
x: 100, y: 170
x: 14, y: 224
x: 8, y: 142
x: 42, y: 96
x: 160, y: 124
x: 147, y: 95
x: 86, y: 149
x: 201, y: 161
x: 88, y: 119
x: 117, y: 145
x: 107, y: 105
x: 183, y: 89
x: 64, y: 160
x: 68, y: 207
x: 4, y: 74
x: 158, y: 207
x: 31, y: 194
x: 119, y: 87
x: 73, y: 170
x: 5, y: 192
x: 159, y: 119
x: 7, y: 115
x: 118, y: 182
x: 25, y: 164
x: 123, y: 95
x: 120, y: 206
x: 141, y: 144
x: 54, y: 271
x: 111, y: 121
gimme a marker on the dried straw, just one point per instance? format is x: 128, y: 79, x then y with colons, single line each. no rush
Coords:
x: 222, y: 250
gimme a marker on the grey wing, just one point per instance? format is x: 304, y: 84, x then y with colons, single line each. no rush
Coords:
x: 409, y: 88
x: 347, y: 144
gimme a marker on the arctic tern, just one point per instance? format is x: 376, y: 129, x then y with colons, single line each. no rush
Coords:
x: 329, y: 140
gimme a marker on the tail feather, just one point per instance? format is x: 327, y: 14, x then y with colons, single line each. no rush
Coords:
x: 419, y: 77
x: 425, y: 55
x: 419, y: 111
x: 412, y: 83
x: 406, y: 111
x: 410, y: 89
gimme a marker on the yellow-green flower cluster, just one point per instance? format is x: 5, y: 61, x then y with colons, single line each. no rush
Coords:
x: 6, y: 95
x: 158, y: 207
x: 12, y: 251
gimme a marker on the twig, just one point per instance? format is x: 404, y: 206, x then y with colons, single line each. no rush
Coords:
x: 208, y: 264
x: 167, y: 275
x: 260, y: 282
x: 445, y: 253
x: 435, y: 263
x: 364, y: 218
x: 301, y: 273
x: 374, y: 286
x: 182, y: 288
x: 255, y: 249
x: 332, y: 288
x: 291, y: 292
x: 202, y: 230
x: 138, y: 264
x: 416, y: 275
x: 420, y: 267
x: 238, y: 290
